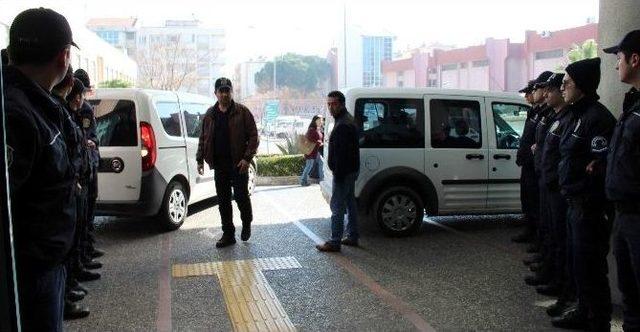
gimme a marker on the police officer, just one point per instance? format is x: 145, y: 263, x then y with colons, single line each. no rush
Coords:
x: 560, y: 283
x: 73, y: 138
x: 581, y: 170
x: 623, y: 180
x: 530, y: 229
x: 41, y: 175
x: 87, y: 121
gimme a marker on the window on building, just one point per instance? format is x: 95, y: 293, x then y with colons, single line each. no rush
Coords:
x: 131, y: 35
x: 455, y: 124
x: 481, y: 63
x: 463, y: 65
x: 169, y: 114
x: 432, y: 83
x: 509, y: 122
x: 433, y: 70
x: 390, y: 123
x: 452, y: 66
x: 549, y: 54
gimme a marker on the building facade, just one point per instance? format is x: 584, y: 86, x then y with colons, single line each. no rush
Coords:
x: 118, y: 32
x: 359, y: 57
x: 245, y: 78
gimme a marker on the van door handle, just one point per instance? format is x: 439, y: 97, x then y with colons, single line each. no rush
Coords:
x: 502, y: 156
x: 475, y: 156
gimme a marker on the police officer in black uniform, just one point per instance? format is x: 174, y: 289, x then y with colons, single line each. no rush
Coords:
x: 623, y: 180
x: 41, y: 175
x: 561, y: 284
x: 581, y: 170
x: 88, y: 124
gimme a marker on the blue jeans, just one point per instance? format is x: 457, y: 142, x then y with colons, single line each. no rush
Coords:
x: 319, y: 165
x: 41, y: 295
x: 343, y: 200
x: 304, y: 178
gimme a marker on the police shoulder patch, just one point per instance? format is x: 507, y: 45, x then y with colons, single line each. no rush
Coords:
x: 599, y: 144
x: 86, y: 123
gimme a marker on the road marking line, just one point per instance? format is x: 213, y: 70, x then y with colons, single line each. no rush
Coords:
x: 252, y: 304
x: 387, y: 297
x: 163, y: 314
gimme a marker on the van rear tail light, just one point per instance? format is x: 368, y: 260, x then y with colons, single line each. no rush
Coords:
x: 149, y: 149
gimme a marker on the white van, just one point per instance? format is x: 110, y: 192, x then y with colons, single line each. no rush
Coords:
x: 434, y: 150
x: 148, y: 144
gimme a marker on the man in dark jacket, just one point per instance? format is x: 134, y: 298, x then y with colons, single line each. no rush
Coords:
x: 581, y: 170
x: 228, y: 143
x: 41, y: 175
x: 344, y: 163
x: 623, y: 180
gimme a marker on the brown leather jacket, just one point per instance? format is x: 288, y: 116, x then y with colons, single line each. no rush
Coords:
x: 243, y: 135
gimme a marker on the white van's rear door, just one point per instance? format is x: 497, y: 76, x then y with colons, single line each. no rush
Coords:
x: 119, y: 175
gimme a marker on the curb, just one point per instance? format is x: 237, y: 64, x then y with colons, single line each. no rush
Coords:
x: 280, y: 180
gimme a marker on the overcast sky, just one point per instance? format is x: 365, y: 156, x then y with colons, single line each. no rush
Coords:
x: 263, y: 27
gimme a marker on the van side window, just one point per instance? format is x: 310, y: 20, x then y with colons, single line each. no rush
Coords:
x: 455, y: 124
x: 116, y: 122
x: 390, y: 123
x: 169, y: 114
x: 509, y: 122
x: 193, y: 115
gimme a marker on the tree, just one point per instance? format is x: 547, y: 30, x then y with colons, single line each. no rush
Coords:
x: 294, y: 71
x: 588, y: 50
x: 115, y: 84
x: 171, y: 65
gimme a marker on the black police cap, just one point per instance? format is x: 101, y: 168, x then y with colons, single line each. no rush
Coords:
x: 529, y: 87
x: 40, y: 29
x: 555, y: 81
x: 630, y: 43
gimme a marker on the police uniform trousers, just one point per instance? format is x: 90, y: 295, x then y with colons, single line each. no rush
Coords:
x: 74, y: 263
x: 529, y: 197
x: 557, y: 206
x: 626, y: 248
x: 588, y: 245
x: 545, y: 232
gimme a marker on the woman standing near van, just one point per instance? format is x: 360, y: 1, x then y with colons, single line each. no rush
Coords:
x: 314, y: 134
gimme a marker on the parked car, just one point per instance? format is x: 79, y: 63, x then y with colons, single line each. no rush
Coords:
x: 433, y: 151
x: 148, y: 144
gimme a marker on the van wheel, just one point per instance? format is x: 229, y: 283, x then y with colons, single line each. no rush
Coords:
x: 399, y: 211
x: 252, y: 179
x: 174, y: 206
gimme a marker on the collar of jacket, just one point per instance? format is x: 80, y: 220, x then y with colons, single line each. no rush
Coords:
x: 583, y: 104
x: 13, y: 77
x: 230, y: 110
x: 631, y: 100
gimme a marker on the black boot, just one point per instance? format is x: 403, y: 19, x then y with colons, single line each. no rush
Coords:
x: 74, y: 311
x: 559, y: 308
x: 92, y: 265
x: 536, y: 280
x: 226, y: 241
x: 532, y: 259
x: 75, y: 296
x: 572, y: 320
x: 524, y: 237
x: 96, y: 253
x: 533, y: 248
x: 535, y: 267
x: 548, y: 290
x: 86, y: 275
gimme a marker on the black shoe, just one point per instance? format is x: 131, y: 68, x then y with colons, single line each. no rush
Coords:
x: 532, y: 259
x: 86, y: 275
x: 535, y: 267
x: 74, y: 311
x: 533, y: 249
x: 96, y: 253
x: 78, y: 287
x: 246, y: 233
x: 525, y: 237
x: 548, y: 290
x: 92, y: 265
x: 536, y: 280
x: 75, y: 296
x: 349, y: 242
x: 559, y: 308
x: 571, y: 320
x: 226, y: 241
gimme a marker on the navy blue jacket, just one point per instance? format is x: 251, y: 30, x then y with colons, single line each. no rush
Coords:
x: 41, y: 175
x: 623, y: 166
x: 550, y: 152
x: 524, y: 157
x: 86, y: 119
x: 546, y: 118
x: 344, y: 148
x: 585, y: 140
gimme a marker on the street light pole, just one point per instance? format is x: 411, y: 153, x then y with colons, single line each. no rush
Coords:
x: 275, y: 83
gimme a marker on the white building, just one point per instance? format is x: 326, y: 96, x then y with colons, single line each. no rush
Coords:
x: 245, y: 80
x: 360, y: 55
x: 204, y: 45
x: 118, y: 32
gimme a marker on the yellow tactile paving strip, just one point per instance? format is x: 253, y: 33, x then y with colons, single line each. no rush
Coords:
x: 251, y: 303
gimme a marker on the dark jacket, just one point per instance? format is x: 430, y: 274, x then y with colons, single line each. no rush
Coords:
x: 623, y: 166
x: 585, y: 140
x: 546, y: 119
x: 87, y: 121
x: 73, y: 137
x: 344, y: 148
x: 41, y: 176
x: 524, y: 157
x: 314, y: 135
x: 550, y: 152
x: 243, y: 135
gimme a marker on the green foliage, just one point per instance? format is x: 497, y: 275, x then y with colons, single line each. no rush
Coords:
x: 115, y: 84
x: 295, y: 71
x: 289, y: 147
x: 588, y: 50
x: 289, y: 165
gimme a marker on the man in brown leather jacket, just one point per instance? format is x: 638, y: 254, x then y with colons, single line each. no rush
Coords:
x: 228, y: 143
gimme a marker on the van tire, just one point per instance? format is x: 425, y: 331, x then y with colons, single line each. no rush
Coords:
x: 175, y: 206
x: 394, y: 202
